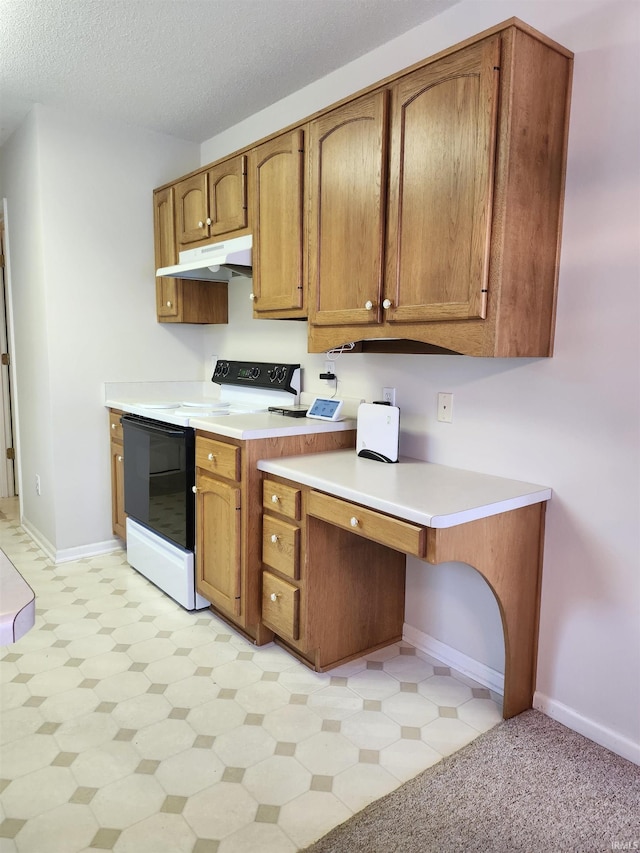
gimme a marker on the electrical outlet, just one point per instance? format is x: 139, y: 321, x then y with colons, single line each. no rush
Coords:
x: 330, y: 367
x: 37, y: 484
x: 445, y: 407
x: 389, y: 395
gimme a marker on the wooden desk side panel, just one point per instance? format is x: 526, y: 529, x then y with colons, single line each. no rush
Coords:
x: 355, y: 590
x: 507, y: 551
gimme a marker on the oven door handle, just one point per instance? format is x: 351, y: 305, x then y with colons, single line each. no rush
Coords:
x: 149, y: 425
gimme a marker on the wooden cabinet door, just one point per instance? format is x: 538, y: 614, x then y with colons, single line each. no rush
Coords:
x: 191, y: 200
x: 279, y: 227
x: 442, y: 157
x: 118, y: 515
x: 218, y: 550
x: 348, y: 152
x: 227, y: 196
x: 167, y: 289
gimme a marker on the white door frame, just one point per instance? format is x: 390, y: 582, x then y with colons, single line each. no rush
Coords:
x: 7, y: 431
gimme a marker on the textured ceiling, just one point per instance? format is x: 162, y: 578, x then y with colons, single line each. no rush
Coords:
x: 188, y: 68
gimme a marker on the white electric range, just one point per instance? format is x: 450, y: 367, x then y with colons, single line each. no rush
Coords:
x: 159, y: 455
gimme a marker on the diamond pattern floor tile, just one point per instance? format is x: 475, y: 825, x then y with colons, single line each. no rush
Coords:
x: 129, y: 724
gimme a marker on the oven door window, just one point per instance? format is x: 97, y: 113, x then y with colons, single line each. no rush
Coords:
x: 158, y: 478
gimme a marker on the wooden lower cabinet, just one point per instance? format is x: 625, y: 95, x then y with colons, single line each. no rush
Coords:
x: 229, y: 526
x: 328, y: 594
x: 118, y: 515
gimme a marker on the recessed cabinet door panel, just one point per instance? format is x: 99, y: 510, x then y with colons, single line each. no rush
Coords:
x: 165, y: 252
x: 218, y: 543
x: 442, y: 168
x: 228, y: 196
x: 348, y: 149
x: 191, y: 209
x: 278, y: 224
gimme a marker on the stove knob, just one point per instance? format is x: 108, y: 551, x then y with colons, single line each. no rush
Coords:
x: 224, y: 370
x: 255, y: 372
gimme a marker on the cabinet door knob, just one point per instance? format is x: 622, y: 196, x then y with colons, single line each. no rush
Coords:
x: 274, y: 538
x: 168, y: 303
x: 252, y: 297
x: 113, y: 426
x: 210, y: 457
x: 387, y: 303
x: 120, y: 458
x: 354, y: 522
x: 368, y: 305
x: 275, y: 499
x: 208, y: 220
x: 201, y: 224
x: 274, y: 596
x: 194, y: 489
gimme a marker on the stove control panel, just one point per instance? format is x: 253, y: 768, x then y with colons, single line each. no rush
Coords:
x: 258, y: 374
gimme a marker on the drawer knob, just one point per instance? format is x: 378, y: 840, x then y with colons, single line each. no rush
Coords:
x: 354, y: 522
x: 275, y: 499
x: 274, y: 538
x: 211, y: 457
x: 274, y: 596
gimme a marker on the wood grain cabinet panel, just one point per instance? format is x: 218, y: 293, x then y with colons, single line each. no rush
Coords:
x: 118, y: 515
x: 392, y: 532
x: 348, y: 153
x: 281, y: 606
x: 218, y: 506
x: 281, y: 498
x: 279, y: 227
x: 218, y: 457
x: 212, y: 203
x: 281, y: 546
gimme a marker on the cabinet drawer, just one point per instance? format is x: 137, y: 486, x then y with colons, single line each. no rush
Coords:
x: 218, y: 457
x: 281, y: 498
x: 281, y: 606
x: 397, y: 534
x: 281, y: 546
x: 115, y: 427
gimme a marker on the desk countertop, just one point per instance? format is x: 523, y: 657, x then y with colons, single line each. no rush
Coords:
x: 423, y: 492
x: 17, y: 610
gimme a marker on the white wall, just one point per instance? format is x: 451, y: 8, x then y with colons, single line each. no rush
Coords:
x: 570, y: 422
x: 82, y: 277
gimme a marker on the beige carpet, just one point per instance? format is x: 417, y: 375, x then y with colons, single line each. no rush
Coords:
x: 529, y: 785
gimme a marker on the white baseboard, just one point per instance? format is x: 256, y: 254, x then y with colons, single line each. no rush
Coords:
x: 596, y: 732
x: 65, y: 555
x: 42, y: 542
x: 480, y: 672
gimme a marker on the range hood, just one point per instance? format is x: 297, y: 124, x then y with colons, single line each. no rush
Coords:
x: 217, y: 262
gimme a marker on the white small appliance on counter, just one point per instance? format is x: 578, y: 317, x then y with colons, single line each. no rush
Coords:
x: 378, y: 432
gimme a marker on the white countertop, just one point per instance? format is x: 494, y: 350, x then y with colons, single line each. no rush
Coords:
x: 267, y: 425
x: 17, y: 603
x: 423, y: 492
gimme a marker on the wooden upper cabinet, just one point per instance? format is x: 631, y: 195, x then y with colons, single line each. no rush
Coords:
x: 213, y: 203
x: 348, y: 151
x: 279, y: 227
x: 443, y: 137
x: 165, y: 253
x: 181, y: 300
x: 477, y: 158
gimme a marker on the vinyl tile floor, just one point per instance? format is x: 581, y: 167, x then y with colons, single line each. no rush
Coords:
x: 132, y: 725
